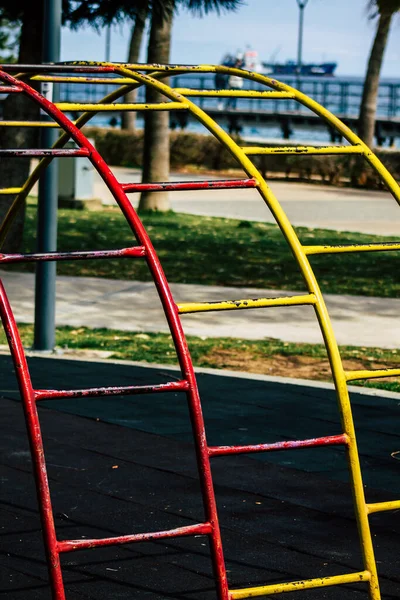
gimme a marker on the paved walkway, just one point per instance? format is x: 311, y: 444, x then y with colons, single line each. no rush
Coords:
x: 134, y: 306
x: 308, y: 205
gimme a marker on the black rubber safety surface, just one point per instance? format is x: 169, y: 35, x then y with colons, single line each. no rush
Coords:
x: 126, y: 464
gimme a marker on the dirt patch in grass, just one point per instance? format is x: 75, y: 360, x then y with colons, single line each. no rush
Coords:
x: 300, y: 367
x: 266, y: 357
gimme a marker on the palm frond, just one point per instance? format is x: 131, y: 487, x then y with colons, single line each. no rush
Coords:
x: 202, y: 7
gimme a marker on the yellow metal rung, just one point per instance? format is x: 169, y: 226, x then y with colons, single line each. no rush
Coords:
x: 305, y: 584
x: 356, y: 149
x: 76, y: 106
x: 236, y: 93
x: 28, y: 124
x: 351, y: 248
x: 191, y: 307
x: 107, y: 80
x: 382, y: 506
x: 10, y: 190
x: 353, y: 375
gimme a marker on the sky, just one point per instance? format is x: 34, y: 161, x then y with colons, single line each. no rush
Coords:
x: 334, y: 30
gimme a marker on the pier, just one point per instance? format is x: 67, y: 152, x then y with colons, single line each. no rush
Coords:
x: 234, y: 120
x: 342, y: 96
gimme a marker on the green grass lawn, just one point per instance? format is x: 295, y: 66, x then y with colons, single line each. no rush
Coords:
x: 268, y: 356
x: 214, y: 251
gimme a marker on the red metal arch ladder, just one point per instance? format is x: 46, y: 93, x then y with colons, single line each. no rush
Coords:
x: 30, y: 396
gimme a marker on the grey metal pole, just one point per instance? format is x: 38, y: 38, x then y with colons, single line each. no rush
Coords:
x: 302, y: 4
x: 45, y: 292
x: 108, y: 43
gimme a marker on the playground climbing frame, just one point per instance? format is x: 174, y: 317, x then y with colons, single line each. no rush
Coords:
x: 18, y: 79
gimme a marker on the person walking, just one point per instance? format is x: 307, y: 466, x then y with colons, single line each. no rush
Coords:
x: 235, y: 82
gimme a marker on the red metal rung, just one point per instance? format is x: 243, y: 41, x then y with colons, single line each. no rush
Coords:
x: 166, y: 186
x: 71, y: 545
x: 58, y: 152
x: 134, y: 252
x: 7, y: 89
x: 329, y: 440
x: 132, y: 390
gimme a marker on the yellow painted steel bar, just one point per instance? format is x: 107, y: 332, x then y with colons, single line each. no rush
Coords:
x: 72, y: 79
x: 191, y: 307
x: 10, y: 190
x: 76, y: 106
x: 373, y: 374
x: 303, y: 150
x: 375, y: 247
x: 234, y: 93
x: 305, y: 584
x: 28, y: 124
x: 383, y: 506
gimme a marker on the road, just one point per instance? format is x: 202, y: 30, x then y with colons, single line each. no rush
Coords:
x: 309, y: 205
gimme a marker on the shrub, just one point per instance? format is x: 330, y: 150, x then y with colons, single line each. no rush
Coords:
x: 123, y: 148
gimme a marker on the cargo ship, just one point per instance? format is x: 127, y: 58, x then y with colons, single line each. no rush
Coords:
x: 250, y: 60
x: 325, y: 69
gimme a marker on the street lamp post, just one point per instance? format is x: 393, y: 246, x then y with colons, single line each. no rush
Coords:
x: 302, y: 4
x: 108, y: 43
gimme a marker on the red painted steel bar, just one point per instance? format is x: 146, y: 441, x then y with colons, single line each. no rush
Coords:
x: 134, y: 252
x: 329, y: 440
x: 131, y: 390
x: 167, y: 186
x: 38, y: 152
x: 63, y: 68
x: 72, y: 545
x: 9, y: 89
x: 36, y: 446
x: 170, y: 309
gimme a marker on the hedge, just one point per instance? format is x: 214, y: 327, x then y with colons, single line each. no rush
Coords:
x: 204, y: 152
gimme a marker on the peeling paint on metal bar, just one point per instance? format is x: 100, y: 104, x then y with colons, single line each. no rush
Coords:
x: 136, y: 251
x: 191, y: 307
x: 248, y: 150
x: 177, y: 186
x: 234, y: 93
x: 79, y: 107
x: 305, y: 584
x: 72, y: 545
x: 133, y: 390
x: 373, y: 247
x: 329, y: 440
x: 37, y: 152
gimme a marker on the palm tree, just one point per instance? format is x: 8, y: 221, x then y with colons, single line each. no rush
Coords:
x: 156, y: 124
x: 385, y: 11
x: 128, y: 120
x: 28, y: 16
x: 156, y: 132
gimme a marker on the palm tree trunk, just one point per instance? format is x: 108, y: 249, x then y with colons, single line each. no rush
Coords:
x: 366, y: 128
x: 156, y: 128
x: 15, y: 171
x: 128, y: 120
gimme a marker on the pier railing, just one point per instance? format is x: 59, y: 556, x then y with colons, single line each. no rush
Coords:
x: 340, y: 96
